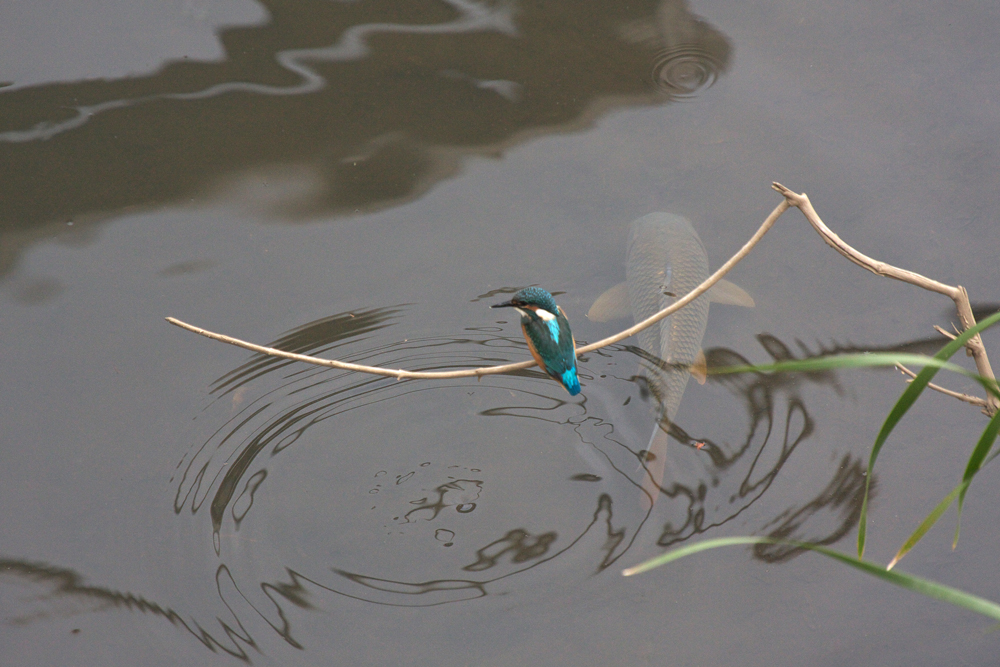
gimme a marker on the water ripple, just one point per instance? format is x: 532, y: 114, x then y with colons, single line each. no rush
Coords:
x: 685, y: 70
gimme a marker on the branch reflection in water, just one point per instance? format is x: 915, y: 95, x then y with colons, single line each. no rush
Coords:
x: 711, y: 477
x: 727, y: 481
x: 230, y: 467
x: 496, y: 543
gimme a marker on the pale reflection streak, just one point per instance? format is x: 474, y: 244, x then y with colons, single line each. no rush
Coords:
x: 299, y: 101
x: 472, y: 17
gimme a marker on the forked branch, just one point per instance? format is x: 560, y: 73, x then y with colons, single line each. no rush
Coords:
x: 800, y: 201
x: 956, y: 293
x: 974, y: 400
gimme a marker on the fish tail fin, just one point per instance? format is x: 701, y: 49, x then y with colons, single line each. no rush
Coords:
x: 699, y: 369
x: 654, y: 466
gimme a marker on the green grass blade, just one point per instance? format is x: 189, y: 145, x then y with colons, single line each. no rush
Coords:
x: 926, y: 524
x: 841, y: 361
x: 980, y: 452
x: 687, y: 550
x: 958, y: 527
x: 906, y: 400
x: 958, y: 523
x: 860, y: 360
x: 975, y: 464
x: 926, y: 587
x: 917, y: 584
x: 931, y: 365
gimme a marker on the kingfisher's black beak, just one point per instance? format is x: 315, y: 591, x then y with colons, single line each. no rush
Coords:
x: 505, y: 304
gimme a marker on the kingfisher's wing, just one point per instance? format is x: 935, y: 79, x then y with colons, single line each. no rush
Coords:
x: 553, y: 341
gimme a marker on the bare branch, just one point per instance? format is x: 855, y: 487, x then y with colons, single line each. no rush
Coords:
x: 945, y: 332
x: 975, y: 400
x: 864, y: 261
x: 957, y: 293
x: 800, y: 201
x: 333, y: 363
x: 506, y: 368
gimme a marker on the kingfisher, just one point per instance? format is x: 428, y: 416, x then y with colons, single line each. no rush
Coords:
x: 546, y: 330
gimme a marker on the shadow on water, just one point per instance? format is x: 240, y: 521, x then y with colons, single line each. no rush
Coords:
x: 273, y: 405
x: 352, y: 106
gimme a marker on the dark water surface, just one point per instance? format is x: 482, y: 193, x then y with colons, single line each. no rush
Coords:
x: 362, y: 180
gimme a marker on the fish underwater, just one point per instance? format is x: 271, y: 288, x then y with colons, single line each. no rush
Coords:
x: 666, y: 260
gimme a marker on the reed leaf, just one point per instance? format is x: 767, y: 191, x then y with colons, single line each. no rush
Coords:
x: 926, y: 524
x: 911, y: 582
x: 906, y: 400
x: 931, y: 365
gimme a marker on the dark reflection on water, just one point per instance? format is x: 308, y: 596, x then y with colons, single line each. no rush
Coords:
x: 307, y: 397
x: 341, y: 106
x: 692, y: 53
x: 778, y: 421
x: 61, y: 592
x: 516, y: 547
x: 823, y: 520
x: 315, y: 338
x: 458, y: 493
x: 708, y: 482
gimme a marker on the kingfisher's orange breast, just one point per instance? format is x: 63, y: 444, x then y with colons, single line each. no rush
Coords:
x: 534, y: 352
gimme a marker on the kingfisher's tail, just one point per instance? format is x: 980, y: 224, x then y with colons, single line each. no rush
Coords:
x: 571, y: 381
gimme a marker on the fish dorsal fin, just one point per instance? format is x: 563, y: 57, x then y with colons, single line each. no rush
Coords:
x: 699, y: 369
x: 729, y: 294
x: 612, y: 305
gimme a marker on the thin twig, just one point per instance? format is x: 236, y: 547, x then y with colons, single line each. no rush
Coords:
x: 506, y: 368
x: 956, y: 293
x: 333, y: 363
x: 945, y: 332
x: 975, y: 400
